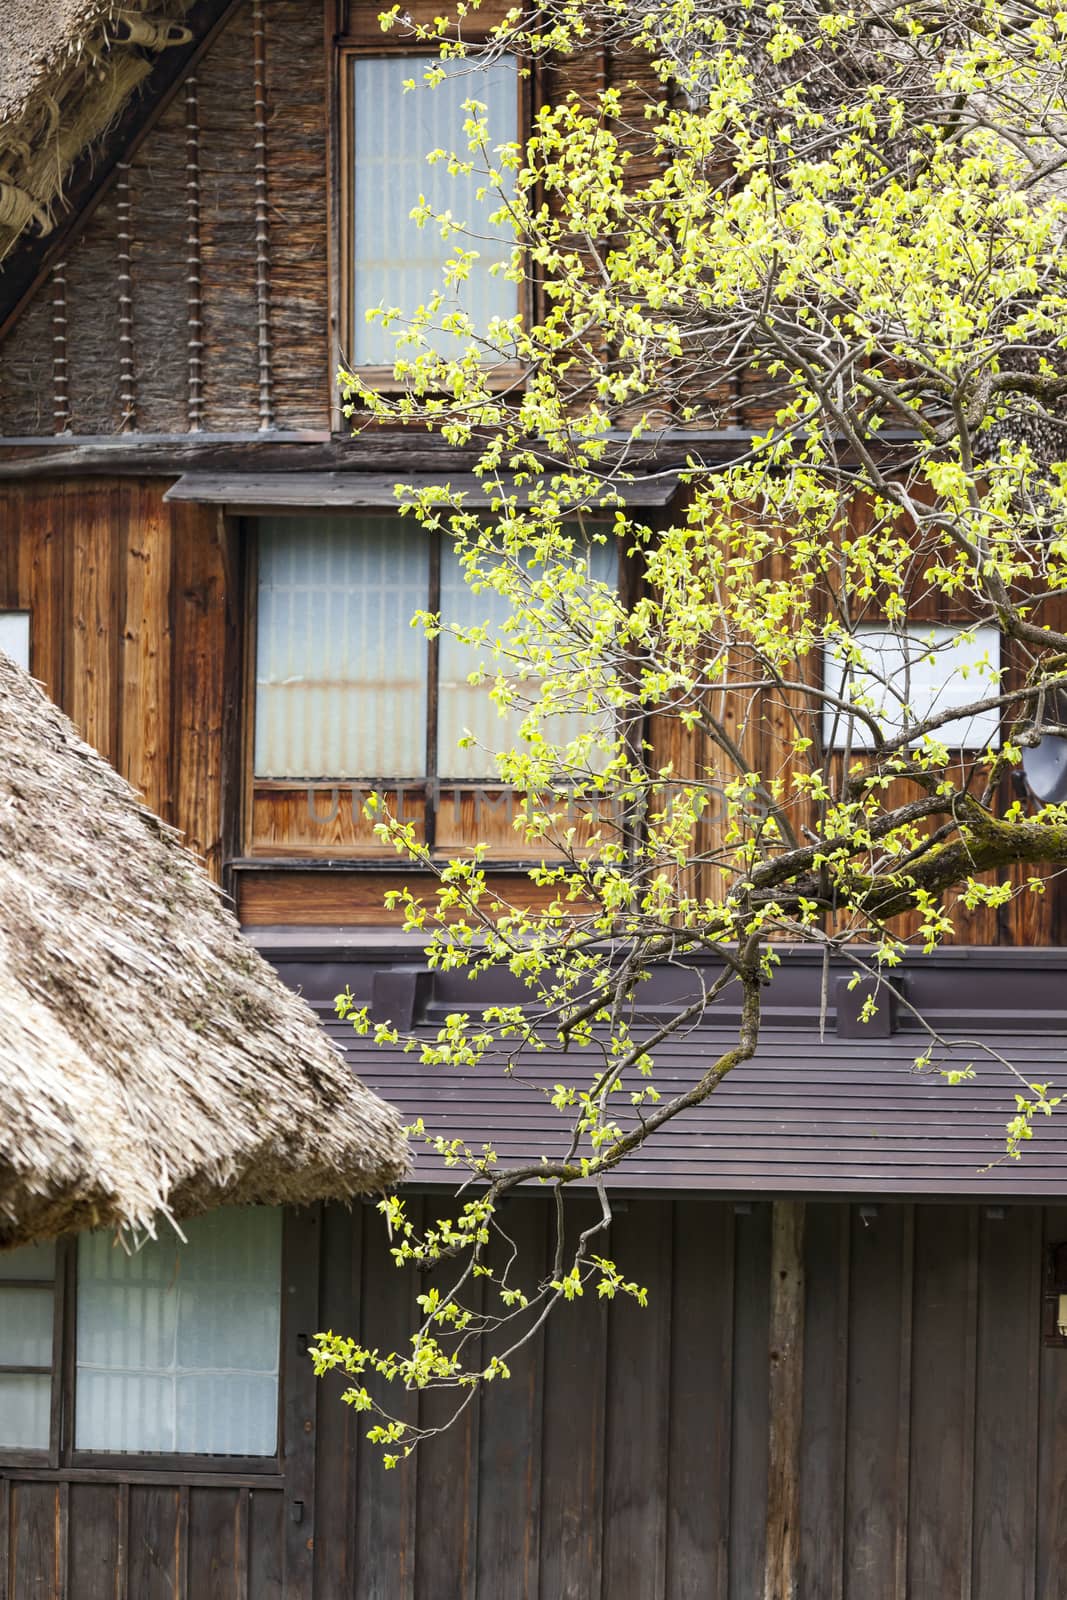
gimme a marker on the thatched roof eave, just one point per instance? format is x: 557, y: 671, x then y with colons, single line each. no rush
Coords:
x: 151, y: 1062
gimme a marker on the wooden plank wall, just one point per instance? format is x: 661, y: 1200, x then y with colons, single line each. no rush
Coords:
x: 129, y: 632
x: 82, y: 1540
x: 628, y: 1456
x: 173, y: 256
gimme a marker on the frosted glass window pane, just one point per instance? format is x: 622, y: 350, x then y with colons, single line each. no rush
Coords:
x: 25, y: 1407
x: 468, y: 707
x: 397, y: 263
x: 177, y: 1344
x: 15, y: 636
x: 36, y: 1261
x: 928, y: 669
x: 26, y: 1317
x: 340, y: 672
x: 26, y: 1327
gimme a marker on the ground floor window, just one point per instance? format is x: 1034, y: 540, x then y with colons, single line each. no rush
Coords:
x: 168, y: 1349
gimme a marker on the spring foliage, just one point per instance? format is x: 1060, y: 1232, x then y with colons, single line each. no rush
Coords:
x: 813, y: 258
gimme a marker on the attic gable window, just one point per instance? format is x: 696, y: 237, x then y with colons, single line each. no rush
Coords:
x: 911, y: 673
x: 392, y: 261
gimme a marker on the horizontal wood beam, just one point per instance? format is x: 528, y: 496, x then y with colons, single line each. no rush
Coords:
x: 128, y: 455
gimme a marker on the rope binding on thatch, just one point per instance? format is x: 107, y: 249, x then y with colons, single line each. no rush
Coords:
x: 59, y: 93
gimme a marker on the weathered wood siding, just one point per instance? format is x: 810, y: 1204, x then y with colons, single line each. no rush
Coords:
x: 631, y: 1454
x: 130, y: 633
x: 628, y: 1457
x: 93, y: 1540
x: 153, y: 322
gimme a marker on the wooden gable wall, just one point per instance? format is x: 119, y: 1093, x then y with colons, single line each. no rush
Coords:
x: 130, y: 633
x: 196, y: 294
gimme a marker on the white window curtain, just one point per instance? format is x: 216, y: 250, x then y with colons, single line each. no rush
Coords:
x: 917, y: 672
x: 27, y: 1290
x: 177, y: 1343
x: 341, y: 674
x: 466, y: 707
x: 395, y: 262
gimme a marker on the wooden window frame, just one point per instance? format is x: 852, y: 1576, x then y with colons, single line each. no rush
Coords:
x: 298, y: 1299
x: 49, y: 1456
x: 425, y: 786
x: 342, y: 163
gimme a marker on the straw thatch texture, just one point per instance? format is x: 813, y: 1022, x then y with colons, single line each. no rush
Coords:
x: 150, y: 1060
x: 67, y: 68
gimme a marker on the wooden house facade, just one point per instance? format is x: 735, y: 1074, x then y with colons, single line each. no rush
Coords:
x: 842, y: 1388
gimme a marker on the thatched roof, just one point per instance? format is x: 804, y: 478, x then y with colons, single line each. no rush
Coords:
x: 67, y: 68
x: 150, y: 1060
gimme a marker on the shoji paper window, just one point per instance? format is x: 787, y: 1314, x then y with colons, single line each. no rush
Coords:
x: 467, y: 707
x: 395, y: 262
x: 27, y: 1298
x: 177, y: 1343
x: 15, y: 636
x: 919, y: 672
x: 341, y: 674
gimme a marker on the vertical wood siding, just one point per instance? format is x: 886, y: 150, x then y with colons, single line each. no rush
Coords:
x: 627, y: 1458
x: 130, y: 630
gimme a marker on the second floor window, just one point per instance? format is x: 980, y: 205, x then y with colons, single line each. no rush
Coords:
x: 393, y: 261
x: 345, y: 687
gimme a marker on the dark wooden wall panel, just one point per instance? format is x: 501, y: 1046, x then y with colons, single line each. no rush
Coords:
x: 700, y: 1401
x: 337, y: 1434
x: 748, y: 1456
x: 941, y: 1478
x: 386, y: 1530
x: 266, y: 1563
x: 826, y: 1323
x: 96, y: 1556
x: 1052, y: 1432
x: 34, y: 1549
x: 509, y: 1445
x: 157, y: 1523
x: 572, y: 1451
x: 637, y: 1437
x: 1006, y: 1394
x: 218, y: 1544
x: 878, y: 1403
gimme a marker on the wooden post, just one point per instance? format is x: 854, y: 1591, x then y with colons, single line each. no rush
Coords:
x: 781, y: 1562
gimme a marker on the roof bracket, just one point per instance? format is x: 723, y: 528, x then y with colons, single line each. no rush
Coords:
x: 850, y: 1000
x: 400, y: 995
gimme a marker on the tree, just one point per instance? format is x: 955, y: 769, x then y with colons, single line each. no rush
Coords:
x: 854, y: 217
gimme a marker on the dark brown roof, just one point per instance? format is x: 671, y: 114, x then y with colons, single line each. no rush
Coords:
x: 841, y: 1116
